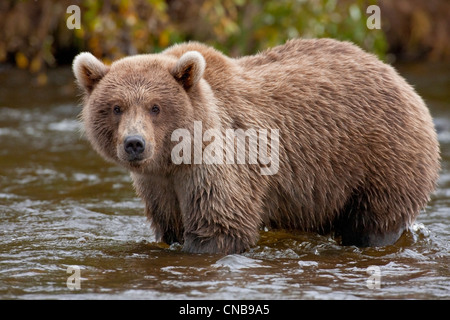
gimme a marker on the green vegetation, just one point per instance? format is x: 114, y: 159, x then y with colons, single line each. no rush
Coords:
x: 116, y: 28
x: 34, y: 34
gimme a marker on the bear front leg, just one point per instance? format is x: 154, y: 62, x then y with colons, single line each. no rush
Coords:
x: 223, y: 242
x: 167, y: 226
x: 218, y: 216
x: 161, y: 206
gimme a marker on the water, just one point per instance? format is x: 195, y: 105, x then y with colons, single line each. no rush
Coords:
x: 61, y: 206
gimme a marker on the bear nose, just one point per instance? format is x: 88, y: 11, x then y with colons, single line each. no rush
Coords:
x: 134, y: 145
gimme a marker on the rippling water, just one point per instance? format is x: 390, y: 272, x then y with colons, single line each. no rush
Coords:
x: 62, y: 206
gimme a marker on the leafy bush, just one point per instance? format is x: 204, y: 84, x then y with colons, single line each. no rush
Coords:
x: 34, y: 35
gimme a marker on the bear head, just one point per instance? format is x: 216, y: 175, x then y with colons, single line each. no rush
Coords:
x: 131, y: 107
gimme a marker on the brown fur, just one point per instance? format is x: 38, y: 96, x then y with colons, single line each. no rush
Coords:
x: 358, y: 151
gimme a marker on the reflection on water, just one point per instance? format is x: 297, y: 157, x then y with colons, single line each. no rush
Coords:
x: 61, y: 205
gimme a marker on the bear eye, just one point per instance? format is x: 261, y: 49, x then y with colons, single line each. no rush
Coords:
x: 155, y: 109
x: 117, y: 110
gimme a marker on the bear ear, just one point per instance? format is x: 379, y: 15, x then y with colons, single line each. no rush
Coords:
x: 189, y: 69
x: 88, y: 70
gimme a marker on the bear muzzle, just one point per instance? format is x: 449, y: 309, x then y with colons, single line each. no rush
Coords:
x: 134, y: 147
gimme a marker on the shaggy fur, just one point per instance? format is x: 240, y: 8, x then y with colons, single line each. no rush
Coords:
x: 358, y: 152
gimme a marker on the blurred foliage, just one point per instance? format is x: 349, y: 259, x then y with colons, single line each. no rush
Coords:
x: 34, y: 34
x: 269, y: 23
x: 236, y: 27
x: 417, y: 29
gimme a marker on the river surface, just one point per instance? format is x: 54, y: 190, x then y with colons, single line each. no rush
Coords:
x: 71, y: 226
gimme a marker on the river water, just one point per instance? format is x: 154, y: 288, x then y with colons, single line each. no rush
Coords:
x: 67, y: 215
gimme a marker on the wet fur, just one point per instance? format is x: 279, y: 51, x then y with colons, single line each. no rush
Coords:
x: 359, y: 155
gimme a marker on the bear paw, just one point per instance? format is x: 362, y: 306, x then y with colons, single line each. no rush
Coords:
x: 219, y: 244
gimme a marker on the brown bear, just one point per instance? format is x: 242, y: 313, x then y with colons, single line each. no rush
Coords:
x: 356, y: 155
